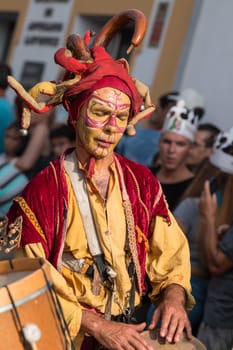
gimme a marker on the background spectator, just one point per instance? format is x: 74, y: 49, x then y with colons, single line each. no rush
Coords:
x: 216, y: 330
x: 202, y: 145
x: 144, y: 145
x: 62, y: 137
x: 188, y: 215
x: 37, y: 154
x: 12, y: 180
x: 7, y: 114
x: 175, y: 142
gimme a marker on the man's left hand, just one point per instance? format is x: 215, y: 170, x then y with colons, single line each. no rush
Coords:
x: 172, y: 314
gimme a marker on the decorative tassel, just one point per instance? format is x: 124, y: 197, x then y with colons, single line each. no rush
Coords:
x: 142, y: 237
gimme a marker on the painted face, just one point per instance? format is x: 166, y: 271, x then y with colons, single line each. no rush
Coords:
x: 102, y: 121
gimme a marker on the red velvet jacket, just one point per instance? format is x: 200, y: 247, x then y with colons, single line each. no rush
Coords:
x: 44, y: 205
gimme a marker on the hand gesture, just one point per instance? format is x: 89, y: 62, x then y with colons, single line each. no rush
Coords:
x: 173, y: 316
x: 115, y: 335
x: 208, y: 202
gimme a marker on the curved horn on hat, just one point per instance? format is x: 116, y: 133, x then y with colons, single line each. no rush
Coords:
x: 117, y: 22
x: 78, y: 46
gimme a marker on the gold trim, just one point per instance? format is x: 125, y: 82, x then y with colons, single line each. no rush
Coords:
x: 56, y: 179
x: 132, y: 239
x: 142, y: 237
x: 130, y: 226
x: 159, y: 194
x: 30, y: 215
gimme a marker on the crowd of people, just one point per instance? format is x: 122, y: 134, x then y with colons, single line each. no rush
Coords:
x: 128, y: 218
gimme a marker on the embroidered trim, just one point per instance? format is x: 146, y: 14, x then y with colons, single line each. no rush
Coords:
x: 30, y: 215
x: 54, y: 172
x: 160, y: 192
x: 132, y: 239
x: 130, y: 226
x: 56, y: 179
x: 141, y: 201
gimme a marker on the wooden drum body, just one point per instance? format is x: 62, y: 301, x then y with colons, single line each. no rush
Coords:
x: 30, y: 317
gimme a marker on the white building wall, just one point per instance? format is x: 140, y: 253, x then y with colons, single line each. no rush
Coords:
x: 34, y: 45
x: 148, y: 58
x: 209, y: 62
x: 206, y: 64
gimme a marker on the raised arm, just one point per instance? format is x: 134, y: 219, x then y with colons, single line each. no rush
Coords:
x: 216, y: 260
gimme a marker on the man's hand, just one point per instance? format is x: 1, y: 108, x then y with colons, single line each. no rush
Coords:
x: 207, y: 203
x: 115, y: 335
x: 172, y: 314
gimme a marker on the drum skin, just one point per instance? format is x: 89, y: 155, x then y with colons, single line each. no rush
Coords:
x: 158, y: 343
x: 26, y: 298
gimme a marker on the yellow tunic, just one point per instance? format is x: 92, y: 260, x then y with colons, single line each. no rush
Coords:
x: 167, y: 259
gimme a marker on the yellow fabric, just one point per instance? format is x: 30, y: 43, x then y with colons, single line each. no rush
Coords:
x: 45, y: 87
x: 172, y: 267
x: 111, y: 227
x: 163, y: 269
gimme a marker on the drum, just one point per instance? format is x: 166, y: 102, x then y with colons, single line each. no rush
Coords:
x: 158, y: 343
x: 30, y: 313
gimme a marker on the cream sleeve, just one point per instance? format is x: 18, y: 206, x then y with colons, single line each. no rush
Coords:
x: 168, y: 260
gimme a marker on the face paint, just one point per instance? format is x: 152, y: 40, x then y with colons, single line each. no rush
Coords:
x: 103, y: 120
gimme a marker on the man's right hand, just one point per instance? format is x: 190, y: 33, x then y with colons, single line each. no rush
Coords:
x: 115, y: 335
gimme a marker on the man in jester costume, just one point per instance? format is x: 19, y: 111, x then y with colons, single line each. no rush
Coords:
x: 100, y: 220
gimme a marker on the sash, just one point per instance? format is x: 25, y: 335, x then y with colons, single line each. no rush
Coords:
x: 106, y: 273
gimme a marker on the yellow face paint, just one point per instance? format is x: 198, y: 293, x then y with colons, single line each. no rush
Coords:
x: 102, y: 121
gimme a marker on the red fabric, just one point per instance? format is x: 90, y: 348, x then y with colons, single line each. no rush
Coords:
x: 148, y: 190
x: 103, y: 66
x: 51, y: 207
x: 46, y: 197
x: 69, y: 63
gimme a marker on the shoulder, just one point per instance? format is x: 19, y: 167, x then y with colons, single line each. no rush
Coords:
x: 137, y: 168
x: 139, y: 174
x: 44, y: 180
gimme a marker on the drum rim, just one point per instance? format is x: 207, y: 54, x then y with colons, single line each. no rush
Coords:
x: 24, y: 300
x: 153, y: 334
x: 38, y: 278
